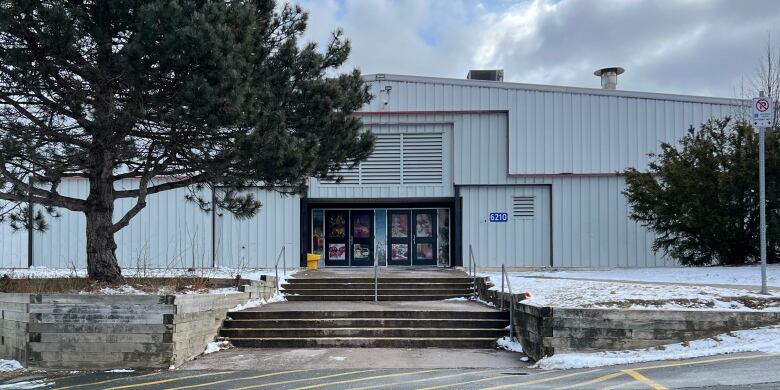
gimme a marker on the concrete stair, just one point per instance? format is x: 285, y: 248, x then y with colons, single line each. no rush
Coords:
x: 469, y: 327
x: 389, y: 288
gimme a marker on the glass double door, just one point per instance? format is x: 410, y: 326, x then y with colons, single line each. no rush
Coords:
x: 349, y: 238
x: 411, y: 237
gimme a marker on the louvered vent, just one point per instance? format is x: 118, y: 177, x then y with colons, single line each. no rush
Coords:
x: 399, y: 159
x: 349, y: 176
x: 384, y: 165
x: 422, y: 158
x: 523, y: 206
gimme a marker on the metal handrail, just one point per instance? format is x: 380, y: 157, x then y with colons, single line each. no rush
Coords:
x: 473, y: 271
x: 376, y: 279
x: 283, y: 256
x: 504, y: 275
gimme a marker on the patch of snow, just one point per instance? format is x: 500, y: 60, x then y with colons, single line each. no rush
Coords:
x: 524, y: 359
x: 509, y: 344
x: 27, y: 384
x: 10, y: 365
x: 749, y: 275
x: 457, y: 299
x: 216, y: 346
x: 338, y: 358
x: 121, y: 370
x: 278, y: 297
x: 752, y: 340
x: 626, y: 295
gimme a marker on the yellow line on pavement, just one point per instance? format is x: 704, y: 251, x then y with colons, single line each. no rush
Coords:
x: 233, y: 380
x: 433, y: 378
x: 302, y: 380
x: 105, y: 381
x: 653, y: 385
x: 592, y: 381
x: 688, y: 363
x: 161, y: 381
x: 547, y: 379
x: 363, y: 379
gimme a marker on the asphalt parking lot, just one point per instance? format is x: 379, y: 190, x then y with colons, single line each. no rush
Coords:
x: 757, y: 371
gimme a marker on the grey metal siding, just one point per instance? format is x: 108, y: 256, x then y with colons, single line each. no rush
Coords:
x: 169, y: 233
x: 256, y: 242
x: 13, y: 247
x: 518, y: 242
x: 561, y: 130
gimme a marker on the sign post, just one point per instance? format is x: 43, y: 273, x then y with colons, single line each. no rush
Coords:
x: 763, y: 117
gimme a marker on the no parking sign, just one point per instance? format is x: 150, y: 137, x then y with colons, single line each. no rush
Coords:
x: 763, y: 112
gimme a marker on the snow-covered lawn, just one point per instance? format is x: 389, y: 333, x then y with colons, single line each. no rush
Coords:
x: 742, y: 276
x: 752, y: 340
x: 561, y: 292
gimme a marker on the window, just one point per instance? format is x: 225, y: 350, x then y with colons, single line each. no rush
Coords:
x: 523, y: 207
x: 409, y: 158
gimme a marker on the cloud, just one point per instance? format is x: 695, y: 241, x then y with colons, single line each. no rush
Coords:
x: 686, y: 46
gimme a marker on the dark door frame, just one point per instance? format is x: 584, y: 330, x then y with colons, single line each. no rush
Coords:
x: 453, y: 203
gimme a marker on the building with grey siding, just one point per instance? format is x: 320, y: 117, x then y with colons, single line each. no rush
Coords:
x: 525, y: 175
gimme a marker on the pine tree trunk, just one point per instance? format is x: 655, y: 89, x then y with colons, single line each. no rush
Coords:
x: 102, y: 264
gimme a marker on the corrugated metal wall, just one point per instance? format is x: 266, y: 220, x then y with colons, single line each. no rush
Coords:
x: 256, y: 242
x: 13, y: 247
x: 518, y: 242
x: 169, y: 233
x: 559, y: 129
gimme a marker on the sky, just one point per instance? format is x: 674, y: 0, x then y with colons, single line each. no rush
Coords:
x: 695, y: 47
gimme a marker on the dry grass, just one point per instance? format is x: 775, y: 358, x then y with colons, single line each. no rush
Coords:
x: 75, y: 285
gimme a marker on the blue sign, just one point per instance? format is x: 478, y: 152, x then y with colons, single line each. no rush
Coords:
x: 499, y: 217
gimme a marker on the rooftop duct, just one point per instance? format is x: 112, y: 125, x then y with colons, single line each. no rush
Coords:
x: 487, y: 74
x: 609, y: 76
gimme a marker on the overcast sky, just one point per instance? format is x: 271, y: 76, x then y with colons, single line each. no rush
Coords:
x: 676, y: 46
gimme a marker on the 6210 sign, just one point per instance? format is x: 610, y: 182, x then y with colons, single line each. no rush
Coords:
x: 499, y: 217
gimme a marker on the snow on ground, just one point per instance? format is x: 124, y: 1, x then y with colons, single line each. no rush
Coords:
x: 36, y: 384
x: 608, y: 294
x: 509, y: 345
x: 278, y: 297
x: 752, y: 340
x: 216, y: 346
x: 9, y: 365
x: 742, y: 275
x: 121, y: 370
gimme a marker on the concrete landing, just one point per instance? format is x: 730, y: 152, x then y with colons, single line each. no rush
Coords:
x: 355, y: 358
x: 466, y: 306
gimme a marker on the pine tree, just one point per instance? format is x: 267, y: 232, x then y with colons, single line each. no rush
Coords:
x: 701, y: 197
x: 199, y: 92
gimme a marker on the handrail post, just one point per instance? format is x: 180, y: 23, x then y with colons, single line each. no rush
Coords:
x: 376, y: 280
x: 511, y: 301
x: 502, y: 287
x: 282, y: 256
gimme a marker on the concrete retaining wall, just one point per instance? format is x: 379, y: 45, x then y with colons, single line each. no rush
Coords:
x: 114, y: 331
x: 543, y: 331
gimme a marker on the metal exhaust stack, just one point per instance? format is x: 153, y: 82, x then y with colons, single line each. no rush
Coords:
x: 609, y: 76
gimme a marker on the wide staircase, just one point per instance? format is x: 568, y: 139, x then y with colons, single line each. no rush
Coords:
x: 385, y: 325
x: 333, y: 308
x: 388, y: 288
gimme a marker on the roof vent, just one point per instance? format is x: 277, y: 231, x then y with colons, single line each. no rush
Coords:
x: 609, y: 76
x: 487, y: 74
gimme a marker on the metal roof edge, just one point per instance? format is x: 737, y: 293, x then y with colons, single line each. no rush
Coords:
x: 557, y: 88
